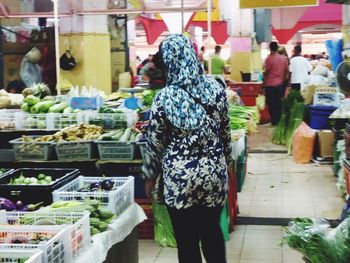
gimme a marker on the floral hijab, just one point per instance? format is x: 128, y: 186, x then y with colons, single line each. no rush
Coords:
x: 185, y: 80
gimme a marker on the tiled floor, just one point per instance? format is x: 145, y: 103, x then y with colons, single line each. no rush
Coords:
x: 275, y: 187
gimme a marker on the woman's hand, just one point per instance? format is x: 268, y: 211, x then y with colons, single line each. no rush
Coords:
x: 149, y: 185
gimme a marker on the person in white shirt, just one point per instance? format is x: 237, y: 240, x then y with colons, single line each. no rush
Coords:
x: 300, y: 69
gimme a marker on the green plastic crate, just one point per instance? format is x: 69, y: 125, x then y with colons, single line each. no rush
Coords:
x: 241, y: 170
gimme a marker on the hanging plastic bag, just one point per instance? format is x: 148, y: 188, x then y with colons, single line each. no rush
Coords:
x: 261, y: 102
x: 303, y: 143
x: 163, y: 229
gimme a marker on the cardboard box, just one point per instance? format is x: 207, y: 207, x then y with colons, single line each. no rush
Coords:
x: 12, y: 66
x: 326, y: 140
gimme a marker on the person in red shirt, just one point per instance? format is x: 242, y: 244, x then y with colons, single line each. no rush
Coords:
x: 275, y: 73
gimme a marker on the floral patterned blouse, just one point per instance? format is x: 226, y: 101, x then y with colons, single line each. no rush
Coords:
x: 193, y: 163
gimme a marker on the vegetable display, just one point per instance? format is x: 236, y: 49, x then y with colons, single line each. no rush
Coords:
x: 107, y: 120
x: 74, y: 133
x: 41, y: 179
x: 100, y: 217
x: 313, y: 239
x: 243, y: 117
x: 8, y: 205
x: 127, y: 135
x: 148, y: 97
x: 105, y: 185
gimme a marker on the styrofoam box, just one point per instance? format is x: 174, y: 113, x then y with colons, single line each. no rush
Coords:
x: 56, y: 250
x: 15, y: 255
x: 79, y: 224
x: 116, y: 200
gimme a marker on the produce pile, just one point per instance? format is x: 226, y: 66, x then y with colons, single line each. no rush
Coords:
x: 8, y: 205
x: 244, y: 117
x: 40, y: 179
x: 294, y: 113
x: 10, y: 100
x: 73, y: 133
x: 108, y: 120
x: 148, y: 97
x: 317, y: 242
x: 100, y: 217
x: 127, y: 135
x: 105, y: 185
x: 34, y: 105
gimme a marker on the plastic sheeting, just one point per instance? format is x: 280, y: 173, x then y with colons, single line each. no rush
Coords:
x: 117, y: 232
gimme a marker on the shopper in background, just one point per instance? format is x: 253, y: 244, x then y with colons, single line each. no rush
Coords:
x: 218, y: 64
x: 282, y: 51
x: 275, y: 74
x: 189, y: 149
x: 300, y: 69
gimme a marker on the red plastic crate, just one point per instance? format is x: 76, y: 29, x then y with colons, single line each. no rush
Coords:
x: 347, y: 175
x: 146, y: 228
x: 247, y: 89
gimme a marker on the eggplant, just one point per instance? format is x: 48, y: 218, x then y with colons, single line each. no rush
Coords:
x: 19, y: 205
x: 107, y: 184
x: 95, y: 185
x: 7, y: 204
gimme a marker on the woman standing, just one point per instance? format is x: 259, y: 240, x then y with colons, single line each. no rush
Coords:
x: 189, y: 147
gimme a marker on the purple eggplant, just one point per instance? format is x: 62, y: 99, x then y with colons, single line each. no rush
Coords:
x: 107, y: 184
x: 19, y: 205
x: 95, y: 185
x: 7, y: 204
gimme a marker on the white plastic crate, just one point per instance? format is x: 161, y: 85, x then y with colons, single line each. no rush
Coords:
x: 116, y: 200
x: 58, y: 121
x: 81, y: 150
x: 56, y: 250
x: 79, y: 224
x: 31, y: 151
x: 9, y: 255
x: 116, y: 150
x: 120, y: 120
x: 27, y: 121
x: 7, y: 119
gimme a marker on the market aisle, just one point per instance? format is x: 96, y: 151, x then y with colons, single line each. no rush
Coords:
x: 275, y: 187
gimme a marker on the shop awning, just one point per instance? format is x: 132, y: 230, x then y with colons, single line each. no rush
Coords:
x: 318, y: 15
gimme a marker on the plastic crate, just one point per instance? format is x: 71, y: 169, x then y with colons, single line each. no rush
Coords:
x: 81, y: 150
x: 27, y: 121
x: 116, y: 200
x: 319, y: 117
x: 143, y: 149
x: 7, y: 119
x: 79, y: 229
x: 145, y: 230
x: 15, y: 255
x: 56, y: 250
x: 116, y: 150
x: 35, y: 193
x: 347, y: 174
x: 32, y: 151
x: 241, y: 170
x: 118, y: 120
x: 58, y: 121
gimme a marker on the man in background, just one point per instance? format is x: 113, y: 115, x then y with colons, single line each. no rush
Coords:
x: 300, y: 69
x: 218, y: 64
x: 275, y: 73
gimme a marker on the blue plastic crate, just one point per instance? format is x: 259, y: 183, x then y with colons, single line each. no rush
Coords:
x: 319, y: 116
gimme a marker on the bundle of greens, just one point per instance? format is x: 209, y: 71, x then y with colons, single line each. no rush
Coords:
x: 243, y: 117
x: 309, y: 238
x: 339, y: 239
x: 293, y: 114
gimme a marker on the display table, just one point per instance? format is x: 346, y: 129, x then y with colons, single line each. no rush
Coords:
x: 103, y: 244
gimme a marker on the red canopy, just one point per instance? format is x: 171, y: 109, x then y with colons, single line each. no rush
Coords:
x: 316, y: 15
x: 154, y: 28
